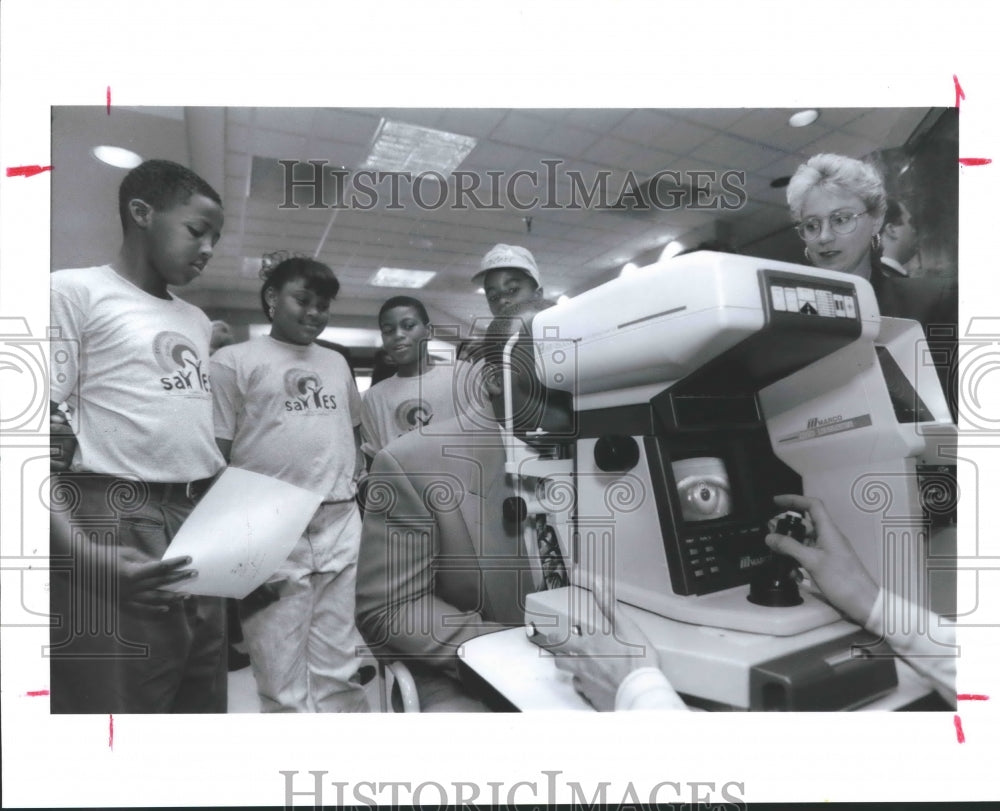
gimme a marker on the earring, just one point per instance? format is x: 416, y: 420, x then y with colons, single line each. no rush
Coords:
x: 876, y: 242
x: 270, y: 312
x: 806, y: 251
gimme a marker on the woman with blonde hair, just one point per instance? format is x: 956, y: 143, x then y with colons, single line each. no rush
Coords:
x: 838, y: 204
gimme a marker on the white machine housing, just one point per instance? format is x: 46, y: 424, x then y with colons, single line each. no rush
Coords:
x: 751, y: 361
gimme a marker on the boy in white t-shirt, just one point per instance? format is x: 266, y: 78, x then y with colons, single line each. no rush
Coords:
x: 420, y: 392
x: 134, y: 408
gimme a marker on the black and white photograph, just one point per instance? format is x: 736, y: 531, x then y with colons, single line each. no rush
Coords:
x: 498, y: 419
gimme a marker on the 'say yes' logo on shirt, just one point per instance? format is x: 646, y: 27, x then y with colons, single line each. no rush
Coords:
x: 305, y: 390
x: 176, y: 355
x: 413, y: 413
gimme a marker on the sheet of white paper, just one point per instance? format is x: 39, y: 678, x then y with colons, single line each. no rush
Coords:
x: 241, y: 531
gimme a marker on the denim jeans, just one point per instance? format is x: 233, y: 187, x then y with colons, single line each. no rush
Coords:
x: 108, y: 656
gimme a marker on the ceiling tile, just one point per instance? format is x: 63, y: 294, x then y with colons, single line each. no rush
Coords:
x: 520, y: 129
x: 422, y: 117
x: 843, y: 144
x: 680, y: 137
x: 643, y: 126
x: 566, y: 142
x: 610, y: 151
x: 596, y: 119
x: 720, y: 119
x: 278, y: 145
x: 295, y: 120
x: 475, y: 122
x: 345, y: 126
x: 491, y: 155
x: 336, y: 153
x: 575, y: 246
x: 645, y: 161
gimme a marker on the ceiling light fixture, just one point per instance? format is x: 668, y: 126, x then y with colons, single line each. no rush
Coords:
x: 803, y: 118
x: 401, y: 277
x: 117, y: 156
x: 399, y: 147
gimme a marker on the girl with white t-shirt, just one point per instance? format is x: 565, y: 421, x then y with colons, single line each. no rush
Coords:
x: 289, y: 408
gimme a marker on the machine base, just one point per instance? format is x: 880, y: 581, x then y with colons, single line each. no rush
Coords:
x: 831, y: 667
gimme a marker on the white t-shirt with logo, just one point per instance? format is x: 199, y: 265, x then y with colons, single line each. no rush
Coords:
x: 398, y: 405
x: 133, y: 370
x: 290, y: 412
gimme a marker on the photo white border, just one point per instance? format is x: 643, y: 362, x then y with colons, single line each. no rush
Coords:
x: 518, y: 54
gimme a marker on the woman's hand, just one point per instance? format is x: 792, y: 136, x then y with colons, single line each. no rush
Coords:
x: 832, y: 563
x: 600, y: 658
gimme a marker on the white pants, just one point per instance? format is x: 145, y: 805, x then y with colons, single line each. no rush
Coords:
x: 303, y: 648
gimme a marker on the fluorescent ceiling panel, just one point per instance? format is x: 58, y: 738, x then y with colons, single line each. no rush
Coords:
x: 400, y: 147
x: 401, y: 277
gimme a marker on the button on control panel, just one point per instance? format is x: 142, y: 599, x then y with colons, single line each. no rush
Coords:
x: 723, y: 557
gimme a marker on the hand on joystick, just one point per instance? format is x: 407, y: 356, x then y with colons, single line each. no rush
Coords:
x: 775, y: 584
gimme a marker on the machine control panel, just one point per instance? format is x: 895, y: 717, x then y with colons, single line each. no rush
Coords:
x: 718, y: 558
x: 788, y: 293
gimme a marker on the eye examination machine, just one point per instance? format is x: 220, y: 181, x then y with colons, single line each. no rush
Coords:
x: 702, y: 387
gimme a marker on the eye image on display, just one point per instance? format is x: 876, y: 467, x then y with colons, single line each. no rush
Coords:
x: 703, y: 488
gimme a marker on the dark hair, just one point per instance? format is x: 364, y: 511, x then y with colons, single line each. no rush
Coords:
x: 162, y: 184
x: 404, y: 301
x: 893, y: 212
x: 318, y: 278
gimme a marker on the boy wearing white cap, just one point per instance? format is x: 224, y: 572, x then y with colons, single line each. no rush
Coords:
x: 510, y: 278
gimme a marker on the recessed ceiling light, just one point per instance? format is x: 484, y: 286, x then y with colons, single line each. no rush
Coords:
x: 401, y: 277
x: 803, y: 118
x: 400, y: 147
x: 117, y: 156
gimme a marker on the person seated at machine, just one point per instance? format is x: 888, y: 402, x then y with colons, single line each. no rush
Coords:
x: 611, y: 679
x: 442, y: 560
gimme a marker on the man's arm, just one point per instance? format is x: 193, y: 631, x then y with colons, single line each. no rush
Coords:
x: 398, y: 611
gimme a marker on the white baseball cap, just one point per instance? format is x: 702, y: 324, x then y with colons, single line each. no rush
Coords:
x: 508, y: 256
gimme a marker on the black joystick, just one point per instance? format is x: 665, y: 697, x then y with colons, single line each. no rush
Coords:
x: 515, y: 511
x: 774, y: 584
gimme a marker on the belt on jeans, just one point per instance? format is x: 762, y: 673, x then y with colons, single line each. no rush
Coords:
x: 161, y: 492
